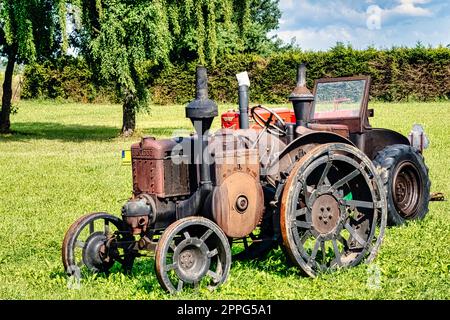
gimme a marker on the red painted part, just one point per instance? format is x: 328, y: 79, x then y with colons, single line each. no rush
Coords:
x: 230, y: 119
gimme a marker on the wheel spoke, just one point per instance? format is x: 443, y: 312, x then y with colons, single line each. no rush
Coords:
x: 301, y: 212
x: 314, y: 252
x: 323, y: 178
x: 212, y: 253
x: 346, y: 179
x: 305, y: 190
x: 303, y: 224
x: 353, y: 233
x: 337, y: 253
x: 359, y: 204
x: 180, y: 285
x: 169, y: 267
x: 106, y: 227
x: 322, y: 248
x: 79, y: 244
x: 206, y: 235
x: 173, y: 246
x: 91, y: 227
x: 186, y: 235
x: 213, y: 275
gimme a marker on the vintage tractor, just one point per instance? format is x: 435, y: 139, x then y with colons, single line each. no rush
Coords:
x: 318, y: 181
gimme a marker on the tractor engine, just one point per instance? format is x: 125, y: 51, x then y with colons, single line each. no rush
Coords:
x: 209, y: 175
x: 159, y: 180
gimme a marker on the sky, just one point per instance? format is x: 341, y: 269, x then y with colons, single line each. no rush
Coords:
x: 318, y: 25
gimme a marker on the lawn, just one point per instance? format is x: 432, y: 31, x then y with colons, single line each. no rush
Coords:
x: 64, y: 161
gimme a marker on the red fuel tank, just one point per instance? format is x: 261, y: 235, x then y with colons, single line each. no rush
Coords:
x: 230, y: 119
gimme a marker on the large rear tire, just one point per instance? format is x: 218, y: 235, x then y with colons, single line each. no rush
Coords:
x: 406, y: 183
x: 333, y: 211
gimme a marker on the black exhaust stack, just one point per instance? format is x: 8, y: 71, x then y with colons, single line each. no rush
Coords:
x: 244, y: 84
x: 201, y: 112
x: 301, y: 98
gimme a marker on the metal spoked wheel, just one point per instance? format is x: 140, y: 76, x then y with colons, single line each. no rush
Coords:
x: 331, y: 206
x: 192, y: 251
x: 95, y: 241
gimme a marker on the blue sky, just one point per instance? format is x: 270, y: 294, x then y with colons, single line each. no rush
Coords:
x: 318, y: 25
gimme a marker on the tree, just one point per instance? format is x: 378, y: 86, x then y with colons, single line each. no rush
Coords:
x: 29, y: 31
x: 119, y: 37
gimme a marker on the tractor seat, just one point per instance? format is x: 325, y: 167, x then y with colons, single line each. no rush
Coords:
x: 339, y: 129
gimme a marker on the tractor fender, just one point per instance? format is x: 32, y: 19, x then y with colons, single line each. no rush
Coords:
x: 318, y: 137
x: 377, y: 139
x: 284, y: 162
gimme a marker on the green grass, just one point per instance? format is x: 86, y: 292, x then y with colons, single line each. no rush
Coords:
x: 65, y: 161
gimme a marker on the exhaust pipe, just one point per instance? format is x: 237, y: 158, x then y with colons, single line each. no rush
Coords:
x: 301, y: 98
x: 201, y: 112
x: 244, y: 84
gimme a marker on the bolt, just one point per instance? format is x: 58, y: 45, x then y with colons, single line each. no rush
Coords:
x: 320, y: 217
x: 322, y: 209
x: 328, y: 208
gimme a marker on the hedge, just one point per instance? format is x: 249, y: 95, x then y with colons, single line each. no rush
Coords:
x: 398, y: 74
x: 63, y: 78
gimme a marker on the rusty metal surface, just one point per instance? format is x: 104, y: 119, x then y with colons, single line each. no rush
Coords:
x: 325, y: 214
x: 339, y: 129
x: 238, y: 204
x: 374, y: 140
x: 176, y: 179
x: 154, y: 172
x: 137, y: 225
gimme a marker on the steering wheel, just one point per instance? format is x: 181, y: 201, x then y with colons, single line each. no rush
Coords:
x: 269, y: 124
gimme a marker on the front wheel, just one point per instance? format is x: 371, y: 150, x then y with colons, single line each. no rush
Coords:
x: 192, y: 251
x: 406, y: 183
x: 94, y: 242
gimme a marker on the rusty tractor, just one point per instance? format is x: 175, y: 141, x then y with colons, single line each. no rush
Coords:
x: 317, y: 181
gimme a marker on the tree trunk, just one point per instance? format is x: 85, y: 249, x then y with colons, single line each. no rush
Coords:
x: 5, y: 123
x: 129, y: 116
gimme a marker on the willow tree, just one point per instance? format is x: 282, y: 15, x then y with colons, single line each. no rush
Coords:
x: 29, y: 31
x: 120, y: 36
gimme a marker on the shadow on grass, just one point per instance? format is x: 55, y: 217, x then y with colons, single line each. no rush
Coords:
x: 275, y: 262
x: 74, y: 132
x: 144, y: 271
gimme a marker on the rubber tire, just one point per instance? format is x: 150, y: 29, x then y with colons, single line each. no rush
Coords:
x: 387, y: 161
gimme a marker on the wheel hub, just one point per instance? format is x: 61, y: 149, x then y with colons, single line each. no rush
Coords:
x: 406, y: 189
x: 188, y: 258
x: 191, y: 257
x: 95, y: 252
x: 325, y: 214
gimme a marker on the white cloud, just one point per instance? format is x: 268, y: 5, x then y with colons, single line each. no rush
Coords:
x: 407, y: 8
x: 318, y: 25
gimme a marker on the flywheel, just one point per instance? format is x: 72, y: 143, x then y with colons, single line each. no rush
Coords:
x: 238, y: 204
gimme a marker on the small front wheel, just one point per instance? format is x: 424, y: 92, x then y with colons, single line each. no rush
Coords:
x: 95, y: 241
x: 192, y: 251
